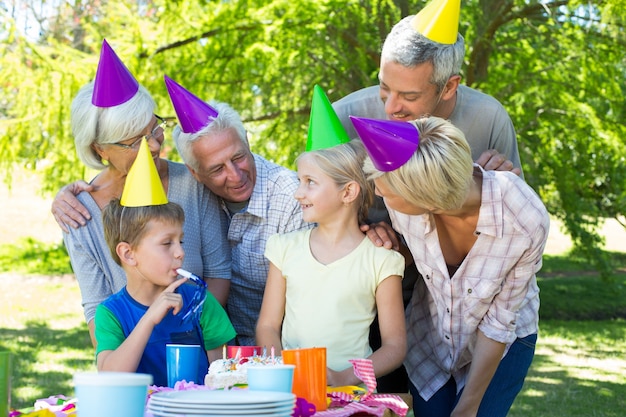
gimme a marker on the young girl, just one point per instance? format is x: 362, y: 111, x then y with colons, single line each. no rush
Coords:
x: 325, y: 285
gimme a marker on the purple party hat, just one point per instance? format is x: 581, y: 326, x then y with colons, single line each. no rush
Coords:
x: 325, y: 128
x: 389, y: 144
x: 114, y: 84
x: 193, y: 113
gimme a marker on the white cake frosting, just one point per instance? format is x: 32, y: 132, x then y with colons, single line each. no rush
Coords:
x: 225, y: 373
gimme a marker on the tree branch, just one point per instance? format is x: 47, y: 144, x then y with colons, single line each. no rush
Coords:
x: 477, y: 69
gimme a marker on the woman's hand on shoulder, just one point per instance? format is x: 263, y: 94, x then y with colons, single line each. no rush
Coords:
x: 381, y: 234
x: 66, y: 208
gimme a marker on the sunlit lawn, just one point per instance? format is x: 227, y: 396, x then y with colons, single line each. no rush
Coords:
x: 42, y: 324
x: 579, y: 369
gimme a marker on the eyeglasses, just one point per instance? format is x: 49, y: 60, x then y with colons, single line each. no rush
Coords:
x: 156, y: 133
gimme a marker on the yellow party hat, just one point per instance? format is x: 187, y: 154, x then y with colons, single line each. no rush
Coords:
x: 439, y: 21
x: 143, y: 186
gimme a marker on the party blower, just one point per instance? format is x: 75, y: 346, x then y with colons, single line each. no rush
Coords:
x: 198, y: 297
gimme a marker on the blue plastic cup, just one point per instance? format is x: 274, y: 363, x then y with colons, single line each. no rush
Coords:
x: 271, y: 378
x: 182, y: 363
x: 106, y: 394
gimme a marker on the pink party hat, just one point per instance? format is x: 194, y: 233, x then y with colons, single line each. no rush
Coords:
x: 439, y: 21
x: 389, y: 144
x: 143, y: 185
x: 114, y: 84
x: 325, y: 128
x: 193, y: 114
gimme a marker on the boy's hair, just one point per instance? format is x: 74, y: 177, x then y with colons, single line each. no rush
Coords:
x: 227, y: 118
x: 128, y: 224
x: 438, y: 175
x: 97, y: 125
x: 343, y: 163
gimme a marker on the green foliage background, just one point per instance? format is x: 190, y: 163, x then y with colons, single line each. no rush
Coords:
x: 558, y: 66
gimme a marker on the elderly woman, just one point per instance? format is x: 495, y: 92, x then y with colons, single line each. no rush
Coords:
x: 477, y: 238
x: 109, y: 118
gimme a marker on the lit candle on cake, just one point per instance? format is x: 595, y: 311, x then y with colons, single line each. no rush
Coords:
x: 224, y: 352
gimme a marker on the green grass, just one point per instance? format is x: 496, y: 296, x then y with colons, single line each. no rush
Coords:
x: 579, y: 369
x: 582, y: 298
x: 29, y: 256
x: 560, y: 265
x: 42, y: 324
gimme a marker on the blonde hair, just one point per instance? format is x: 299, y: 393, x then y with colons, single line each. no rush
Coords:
x: 343, y: 163
x: 128, y: 224
x: 439, y: 174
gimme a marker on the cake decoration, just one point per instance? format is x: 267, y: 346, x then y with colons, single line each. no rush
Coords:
x: 230, y: 372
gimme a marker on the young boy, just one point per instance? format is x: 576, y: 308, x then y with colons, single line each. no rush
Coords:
x: 134, y: 325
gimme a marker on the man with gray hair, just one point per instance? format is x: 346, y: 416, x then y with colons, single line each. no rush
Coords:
x: 256, y: 194
x: 420, y: 77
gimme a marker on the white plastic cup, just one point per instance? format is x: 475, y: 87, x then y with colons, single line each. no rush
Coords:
x: 278, y: 378
x: 107, y: 394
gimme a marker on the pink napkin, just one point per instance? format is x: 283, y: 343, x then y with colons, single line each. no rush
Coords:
x: 344, y: 404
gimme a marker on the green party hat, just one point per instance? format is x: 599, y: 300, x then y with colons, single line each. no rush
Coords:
x: 325, y: 128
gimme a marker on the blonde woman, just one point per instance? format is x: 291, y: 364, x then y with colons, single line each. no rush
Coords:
x: 477, y: 238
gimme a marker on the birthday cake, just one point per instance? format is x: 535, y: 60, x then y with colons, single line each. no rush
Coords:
x: 224, y: 373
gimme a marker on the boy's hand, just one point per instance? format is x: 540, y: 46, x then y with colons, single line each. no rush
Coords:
x: 165, y: 302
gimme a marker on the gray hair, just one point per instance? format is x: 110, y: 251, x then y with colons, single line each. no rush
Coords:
x: 409, y: 48
x: 103, y: 125
x: 227, y: 118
